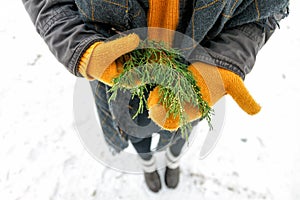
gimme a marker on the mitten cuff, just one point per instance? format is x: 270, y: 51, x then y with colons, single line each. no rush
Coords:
x: 83, y: 63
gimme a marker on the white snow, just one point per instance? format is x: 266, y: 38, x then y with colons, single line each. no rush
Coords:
x: 41, y: 156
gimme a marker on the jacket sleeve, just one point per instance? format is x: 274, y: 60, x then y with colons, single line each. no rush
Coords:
x: 58, y: 22
x: 236, y: 48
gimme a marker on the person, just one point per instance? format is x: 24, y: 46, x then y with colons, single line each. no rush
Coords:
x: 231, y: 33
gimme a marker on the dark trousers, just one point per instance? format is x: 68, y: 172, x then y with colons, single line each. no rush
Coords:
x: 117, y: 139
x: 143, y: 147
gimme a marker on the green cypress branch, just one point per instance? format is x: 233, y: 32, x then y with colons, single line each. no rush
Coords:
x: 154, y: 64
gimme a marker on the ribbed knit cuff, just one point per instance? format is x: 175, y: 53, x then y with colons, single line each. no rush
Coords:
x: 83, y: 63
x: 172, y: 161
x: 148, y: 165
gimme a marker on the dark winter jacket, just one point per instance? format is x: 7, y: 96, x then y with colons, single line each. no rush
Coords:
x: 232, y: 31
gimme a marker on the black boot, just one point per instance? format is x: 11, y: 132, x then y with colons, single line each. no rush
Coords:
x: 153, y: 181
x: 172, y: 169
x: 172, y: 177
x: 151, y: 174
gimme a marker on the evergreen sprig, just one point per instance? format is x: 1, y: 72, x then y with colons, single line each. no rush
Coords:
x: 154, y: 64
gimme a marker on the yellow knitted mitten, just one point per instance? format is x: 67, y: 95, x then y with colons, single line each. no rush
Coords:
x: 214, y: 83
x: 103, y: 61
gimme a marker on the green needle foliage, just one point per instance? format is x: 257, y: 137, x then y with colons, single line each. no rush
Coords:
x: 153, y: 64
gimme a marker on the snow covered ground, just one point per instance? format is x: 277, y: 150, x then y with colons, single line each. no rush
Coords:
x: 41, y: 156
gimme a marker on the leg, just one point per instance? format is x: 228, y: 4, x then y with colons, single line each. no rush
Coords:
x: 142, y: 146
x: 175, y: 148
x: 172, y: 160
